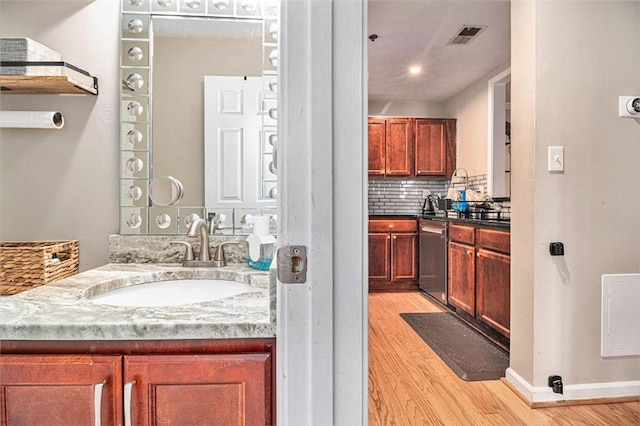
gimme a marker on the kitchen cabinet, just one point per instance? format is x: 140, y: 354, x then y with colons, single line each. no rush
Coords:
x: 479, y: 276
x: 493, y: 268
x: 377, y: 146
x: 221, y: 383
x: 393, y: 254
x: 462, y: 268
x: 391, y: 146
x: 462, y: 279
x: 404, y: 146
x: 435, y: 148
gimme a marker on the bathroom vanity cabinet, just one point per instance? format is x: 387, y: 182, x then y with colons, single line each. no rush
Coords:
x: 219, y: 382
x: 479, y: 276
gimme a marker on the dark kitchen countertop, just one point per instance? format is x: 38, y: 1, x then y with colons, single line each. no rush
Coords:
x: 502, y: 224
x: 394, y: 216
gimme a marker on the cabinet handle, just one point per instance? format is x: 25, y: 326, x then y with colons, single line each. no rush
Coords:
x: 97, y: 403
x: 469, y: 252
x: 394, y: 237
x: 128, y: 390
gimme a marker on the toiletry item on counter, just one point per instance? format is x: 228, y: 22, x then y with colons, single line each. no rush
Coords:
x: 261, y: 245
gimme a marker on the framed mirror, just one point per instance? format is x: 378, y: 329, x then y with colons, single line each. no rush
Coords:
x: 198, y: 113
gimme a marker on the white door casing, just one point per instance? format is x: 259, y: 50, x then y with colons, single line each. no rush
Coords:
x: 322, y: 204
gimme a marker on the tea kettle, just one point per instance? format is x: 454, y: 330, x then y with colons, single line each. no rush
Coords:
x: 430, y: 205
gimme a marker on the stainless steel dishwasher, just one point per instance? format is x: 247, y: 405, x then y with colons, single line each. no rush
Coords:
x: 433, y: 258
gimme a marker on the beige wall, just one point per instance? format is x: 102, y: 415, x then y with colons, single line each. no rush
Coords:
x: 470, y: 108
x: 63, y: 184
x: 570, y: 62
x: 390, y: 107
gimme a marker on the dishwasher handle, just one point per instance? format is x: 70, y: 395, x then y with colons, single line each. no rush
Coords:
x: 439, y: 231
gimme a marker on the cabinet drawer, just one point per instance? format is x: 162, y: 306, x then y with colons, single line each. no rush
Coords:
x: 494, y: 240
x: 463, y: 234
x: 391, y: 225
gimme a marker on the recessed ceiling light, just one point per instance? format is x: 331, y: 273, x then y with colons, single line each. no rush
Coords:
x: 415, y: 70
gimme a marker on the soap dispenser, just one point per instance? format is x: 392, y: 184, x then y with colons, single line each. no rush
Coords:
x: 261, y: 245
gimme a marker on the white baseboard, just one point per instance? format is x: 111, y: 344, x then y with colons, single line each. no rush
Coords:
x: 538, y: 394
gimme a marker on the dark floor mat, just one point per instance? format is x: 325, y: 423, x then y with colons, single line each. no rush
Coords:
x: 469, y: 354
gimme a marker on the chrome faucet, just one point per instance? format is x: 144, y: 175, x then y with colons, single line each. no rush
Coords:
x: 200, y: 225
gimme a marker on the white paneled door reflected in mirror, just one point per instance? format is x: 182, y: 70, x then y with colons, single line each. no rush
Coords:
x: 198, y: 104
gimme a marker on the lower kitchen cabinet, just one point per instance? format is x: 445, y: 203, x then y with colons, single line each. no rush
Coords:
x: 229, y: 388
x: 379, y: 256
x: 462, y: 277
x: 393, y: 254
x: 479, y: 276
x: 494, y: 293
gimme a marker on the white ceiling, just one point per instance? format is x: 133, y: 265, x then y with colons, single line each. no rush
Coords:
x: 416, y: 32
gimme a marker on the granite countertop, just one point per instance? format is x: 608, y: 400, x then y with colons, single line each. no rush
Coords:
x: 62, y: 311
x: 502, y: 224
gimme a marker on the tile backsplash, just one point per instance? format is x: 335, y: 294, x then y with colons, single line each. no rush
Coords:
x: 404, y: 196
x: 401, y: 196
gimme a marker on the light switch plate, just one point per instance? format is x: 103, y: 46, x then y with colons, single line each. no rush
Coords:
x: 556, y: 159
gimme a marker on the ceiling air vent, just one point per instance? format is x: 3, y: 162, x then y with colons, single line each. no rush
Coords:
x: 466, y: 34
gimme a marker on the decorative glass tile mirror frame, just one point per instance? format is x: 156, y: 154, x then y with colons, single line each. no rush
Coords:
x: 139, y: 214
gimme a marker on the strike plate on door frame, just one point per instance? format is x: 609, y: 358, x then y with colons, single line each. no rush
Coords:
x: 292, y: 264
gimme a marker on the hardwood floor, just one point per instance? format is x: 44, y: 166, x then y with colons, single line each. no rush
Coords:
x: 410, y: 385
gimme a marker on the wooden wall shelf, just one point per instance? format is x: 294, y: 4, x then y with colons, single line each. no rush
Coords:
x: 48, y: 85
x: 69, y: 80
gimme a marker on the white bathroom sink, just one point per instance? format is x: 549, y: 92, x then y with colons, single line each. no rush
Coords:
x: 171, y: 293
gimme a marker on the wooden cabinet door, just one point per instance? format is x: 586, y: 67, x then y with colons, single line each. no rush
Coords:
x: 379, y: 256
x: 377, y: 146
x: 399, y: 147
x: 494, y: 295
x: 60, y: 390
x: 462, y: 277
x: 430, y: 147
x: 404, y: 265
x: 195, y: 390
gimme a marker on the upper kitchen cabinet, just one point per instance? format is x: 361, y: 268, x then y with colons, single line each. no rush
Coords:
x: 390, y: 146
x: 404, y: 146
x: 435, y: 148
x: 377, y: 146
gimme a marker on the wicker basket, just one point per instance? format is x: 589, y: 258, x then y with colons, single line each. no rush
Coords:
x: 26, y: 265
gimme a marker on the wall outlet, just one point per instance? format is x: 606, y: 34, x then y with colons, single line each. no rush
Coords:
x: 425, y: 193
